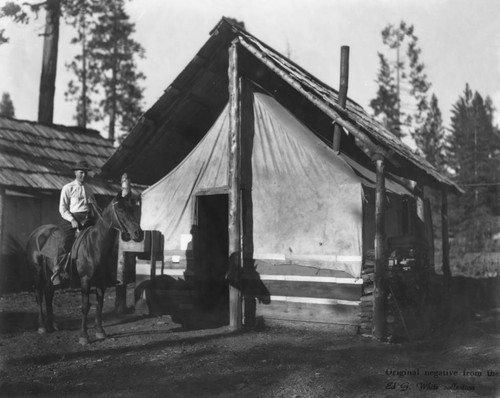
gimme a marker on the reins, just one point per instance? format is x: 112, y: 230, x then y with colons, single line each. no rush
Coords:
x: 121, y: 226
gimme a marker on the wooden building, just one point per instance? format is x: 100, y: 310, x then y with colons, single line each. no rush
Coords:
x: 35, y: 162
x: 250, y: 184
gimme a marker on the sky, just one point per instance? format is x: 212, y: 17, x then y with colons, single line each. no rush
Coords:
x: 460, y: 42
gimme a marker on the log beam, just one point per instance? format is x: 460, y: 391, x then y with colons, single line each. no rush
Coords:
x: 380, y: 275
x: 234, y: 227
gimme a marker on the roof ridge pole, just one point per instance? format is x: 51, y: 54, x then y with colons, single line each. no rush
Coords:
x: 380, y: 274
x: 342, y: 97
x: 234, y: 181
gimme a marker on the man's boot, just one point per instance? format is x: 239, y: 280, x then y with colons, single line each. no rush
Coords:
x: 59, y: 269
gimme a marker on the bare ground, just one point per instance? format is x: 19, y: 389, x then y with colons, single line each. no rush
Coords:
x: 155, y: 357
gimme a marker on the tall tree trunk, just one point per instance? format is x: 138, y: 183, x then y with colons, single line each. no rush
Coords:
x: 112, y: 110
x: 84, y: 69
x: 114, y: 71
x: 49, y: 62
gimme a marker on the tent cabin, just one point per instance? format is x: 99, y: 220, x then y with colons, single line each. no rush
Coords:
x: 35, y: 162
x: 252, y: 196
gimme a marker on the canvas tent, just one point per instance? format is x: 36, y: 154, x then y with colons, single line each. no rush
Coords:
x: 244, y: 183
x: 306, y: 200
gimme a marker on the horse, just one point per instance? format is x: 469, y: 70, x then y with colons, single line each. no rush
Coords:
x: 91, y: 255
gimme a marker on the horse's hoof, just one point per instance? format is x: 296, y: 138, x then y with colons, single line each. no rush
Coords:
x: 42, y: 331
x: 83, y: 341
x: 100, y: 336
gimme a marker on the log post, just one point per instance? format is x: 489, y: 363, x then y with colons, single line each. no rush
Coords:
x: 154, y: 249
x: 445, y: 242
x: 420, y: 225
x: 342, y: 98
x: 380, y: 289
x: 234, y: 227
x: 2, y: 227
x: 121, y: 287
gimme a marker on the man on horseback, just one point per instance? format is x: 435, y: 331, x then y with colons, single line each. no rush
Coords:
x: 76, y: 207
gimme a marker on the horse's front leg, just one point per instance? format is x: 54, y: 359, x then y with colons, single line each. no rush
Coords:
x: 85, y: 290
x: 39, y: 299
x: 49, y: 297
x: 100, y: 333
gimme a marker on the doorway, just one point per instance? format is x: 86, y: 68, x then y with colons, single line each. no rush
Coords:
x: 212, y: 255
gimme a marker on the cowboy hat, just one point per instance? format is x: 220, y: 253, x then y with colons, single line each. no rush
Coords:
x: 81, y: 165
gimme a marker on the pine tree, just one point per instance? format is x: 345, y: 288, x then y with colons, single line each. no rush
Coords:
x: 384, y: 104
x: 473, y: 154
x: 50, y: 49
x: 115, y: 54
x: 401, y: 100
x: 421, y: 117
x: 6, y: 106
x: 430, y: 139
x: 16, y: 13
x: 79, y: 14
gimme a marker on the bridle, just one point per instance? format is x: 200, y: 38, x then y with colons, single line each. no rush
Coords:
x: 121, y: 226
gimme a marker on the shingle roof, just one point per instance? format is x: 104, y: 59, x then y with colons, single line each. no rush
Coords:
x: 172, y: 126
x: 34, y: 155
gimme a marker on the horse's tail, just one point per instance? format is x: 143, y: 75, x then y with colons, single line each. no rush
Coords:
x: 37, y: 263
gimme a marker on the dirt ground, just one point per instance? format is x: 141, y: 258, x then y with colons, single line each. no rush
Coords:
x: 150, y: 357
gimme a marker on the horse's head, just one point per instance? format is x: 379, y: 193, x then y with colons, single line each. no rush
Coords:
x: 124, y: 218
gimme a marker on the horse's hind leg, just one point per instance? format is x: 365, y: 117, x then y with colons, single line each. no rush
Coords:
x: 85, y: 289
x: 100, y: 333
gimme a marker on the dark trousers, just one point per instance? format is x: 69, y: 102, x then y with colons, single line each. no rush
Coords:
x: 69, y: 236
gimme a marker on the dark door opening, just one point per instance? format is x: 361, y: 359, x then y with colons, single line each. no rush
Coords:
x: 212, y: 253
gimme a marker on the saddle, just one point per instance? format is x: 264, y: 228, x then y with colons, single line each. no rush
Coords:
x: 52, y: 247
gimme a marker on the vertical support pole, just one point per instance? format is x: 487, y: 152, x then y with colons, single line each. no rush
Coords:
x: 445, y: 242
x: 234, y: 227
x: 420, y: 226
x: 342, y: 99
x: 2, y: 206
x: 121, y: 288
x: 2, y: 227
x: 153, y: 256
x: 380, y: 289
x: 125, y: 260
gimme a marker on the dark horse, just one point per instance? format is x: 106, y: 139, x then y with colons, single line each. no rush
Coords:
x: 92, y: 257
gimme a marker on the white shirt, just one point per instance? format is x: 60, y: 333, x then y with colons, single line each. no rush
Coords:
x: 75, y: 198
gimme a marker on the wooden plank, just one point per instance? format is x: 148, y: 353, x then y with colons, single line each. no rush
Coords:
x: 234, y: 227
x: 306, y: 278
x: 324, y: 313
x: 307, y: 289
x: 269, y: 268
x: 379, y: 292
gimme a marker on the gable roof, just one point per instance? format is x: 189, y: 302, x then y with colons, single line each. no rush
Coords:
x: 170, y: 129
x: 39, y: 156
